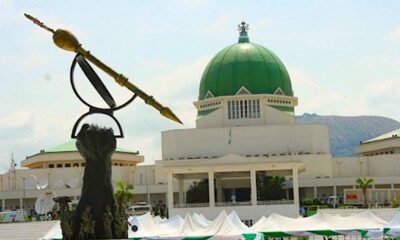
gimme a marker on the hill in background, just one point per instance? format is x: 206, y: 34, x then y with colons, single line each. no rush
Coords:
x: 347, y: 132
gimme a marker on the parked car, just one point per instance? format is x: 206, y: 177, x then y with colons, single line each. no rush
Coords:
x: 139, y: 209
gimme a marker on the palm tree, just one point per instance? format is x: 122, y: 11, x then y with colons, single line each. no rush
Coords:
x: 124, y: 194
x: 364, y: 183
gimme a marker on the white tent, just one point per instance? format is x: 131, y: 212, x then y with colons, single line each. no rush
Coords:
x: 201, y: 219
x: 193, y: 227
x: 393, y: 227
x: 319, y: 224
x: 145, y: 225
x: 196, y: 226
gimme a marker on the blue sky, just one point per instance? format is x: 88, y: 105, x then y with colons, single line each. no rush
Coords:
x: 343, y: 58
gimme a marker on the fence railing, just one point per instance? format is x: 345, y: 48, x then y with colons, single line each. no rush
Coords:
x: 275, y: 202
x: 233, y: 204
x: 225, y: 204
x: 191, y: 205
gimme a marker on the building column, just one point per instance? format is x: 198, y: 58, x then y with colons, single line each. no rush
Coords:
x: 131, y: 173
x: 253, y: 185
x: 369, y: 193
x: 211, y: 194
x: 315, y: 192
x: 218, y: 186
x: 296, y: 186
x: 21, y: 203
x: 181, y: 200
x: 3, y: 205
x: 287, y: 194
x: 170, y: 193
x: 334, y: 191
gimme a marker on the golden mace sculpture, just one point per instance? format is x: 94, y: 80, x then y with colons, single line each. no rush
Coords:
x: 67, y: 41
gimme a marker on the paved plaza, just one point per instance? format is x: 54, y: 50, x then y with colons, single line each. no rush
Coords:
x: 25, y: 231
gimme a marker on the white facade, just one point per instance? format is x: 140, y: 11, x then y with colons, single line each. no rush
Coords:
x: 266, y: 140
x: 259, y: 110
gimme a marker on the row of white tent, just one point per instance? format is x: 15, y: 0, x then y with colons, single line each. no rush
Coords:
x: 229, y: 226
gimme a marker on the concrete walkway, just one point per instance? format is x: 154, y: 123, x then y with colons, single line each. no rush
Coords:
x: 25, y: 231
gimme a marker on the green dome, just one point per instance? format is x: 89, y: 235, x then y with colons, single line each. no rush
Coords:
x: 244, y: 64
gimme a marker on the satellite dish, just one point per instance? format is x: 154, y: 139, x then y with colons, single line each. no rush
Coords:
x: 30, y: 182
x: 38, y: 185
x: 72, y: 183
x: 58, y: 183
x: 42, y: 184
x: 44, y: 203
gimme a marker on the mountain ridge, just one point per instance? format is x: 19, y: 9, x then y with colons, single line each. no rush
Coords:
x: 346, y: 132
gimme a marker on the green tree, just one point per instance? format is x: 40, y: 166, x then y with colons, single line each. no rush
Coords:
x: 270, y: 187
x: 198, y: 192
x: 124, y: 193
x: 363, y: 183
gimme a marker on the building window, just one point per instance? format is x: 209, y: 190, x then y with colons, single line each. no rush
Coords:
x: 232, y: 109
x: 257, y: 108
x: 245, y: 108
x: 59, y: 165
x: 240, y: 109
x: 68, y: 165
x: 237, y: 111
x: 229, y: 109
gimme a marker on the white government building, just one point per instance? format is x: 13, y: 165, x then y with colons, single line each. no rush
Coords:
x: 245, y: 128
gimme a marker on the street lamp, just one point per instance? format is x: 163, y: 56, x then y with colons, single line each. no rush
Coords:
x: 23, y: 193
x: 147, y: 186
x: 360, y: 161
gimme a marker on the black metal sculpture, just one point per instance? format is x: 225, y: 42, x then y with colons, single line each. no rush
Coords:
x: 101, y: 90
x: 96, y: 216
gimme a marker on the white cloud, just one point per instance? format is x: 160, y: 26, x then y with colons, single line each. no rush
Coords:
x: 221, y: 23
x: 32, y: 59
x: 177, y: 81
x: 195, y: 3
x: 395, y: 34
x: 261, y: 25
x: 31, y: 129
x: 300, y: 78
x: 315, y: 98
x: 15, y: 119
x: 5, y: 5
x: 382, y: 96
x: 379, y: 97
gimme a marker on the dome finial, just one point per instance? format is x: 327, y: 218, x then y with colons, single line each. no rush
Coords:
x: 243, y: 27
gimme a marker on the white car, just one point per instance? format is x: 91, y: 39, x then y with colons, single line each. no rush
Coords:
x: 139, y: 209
